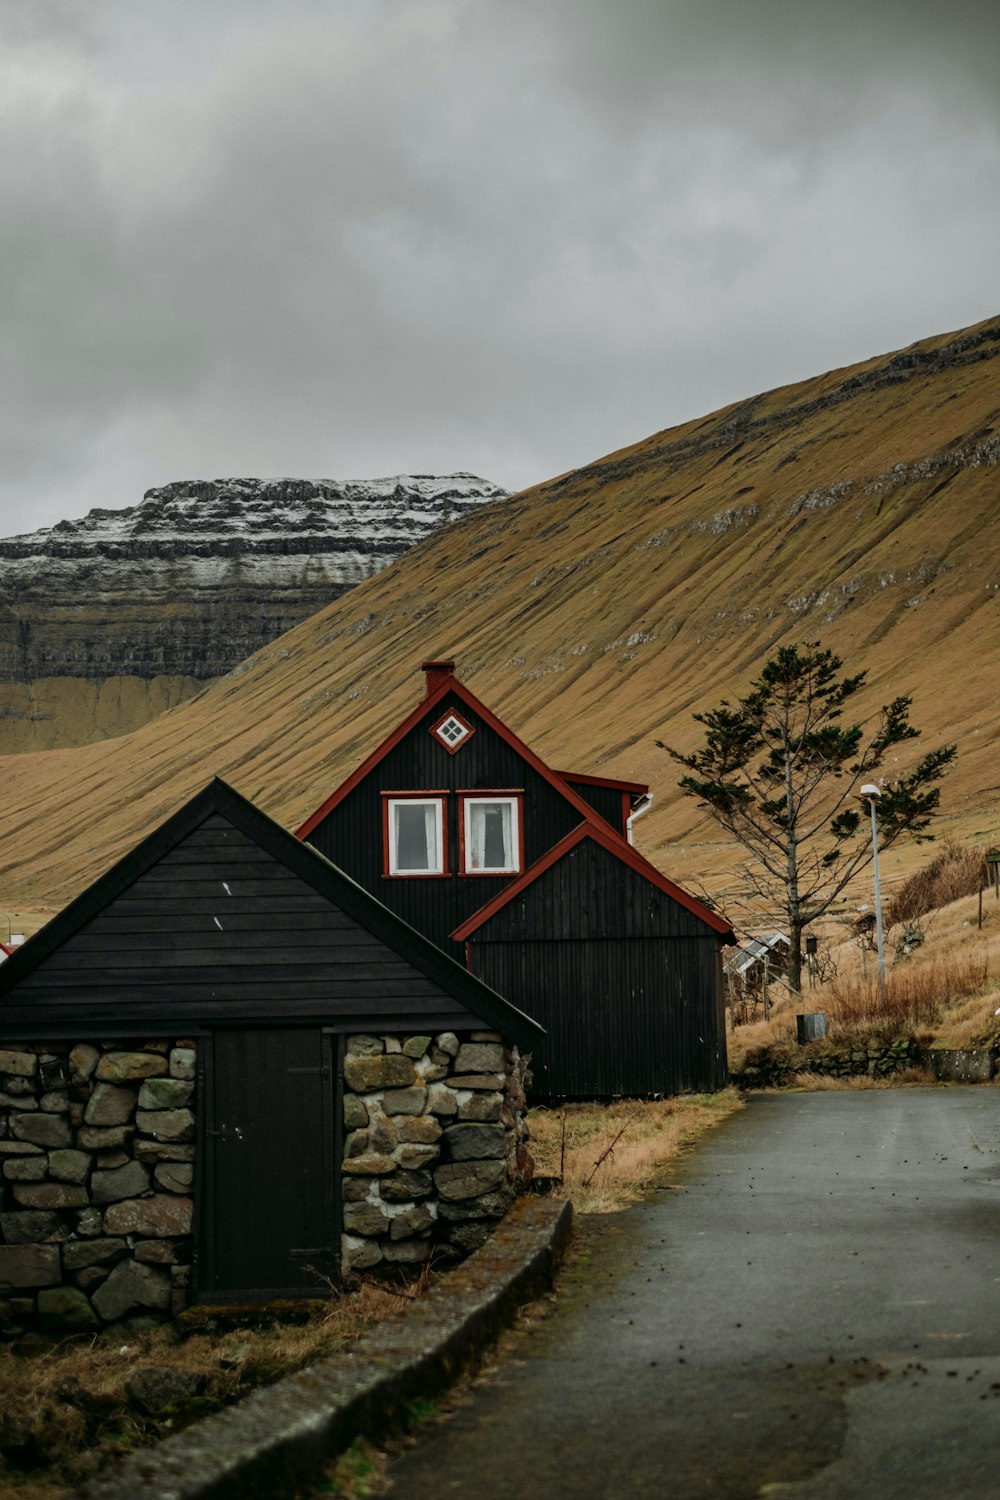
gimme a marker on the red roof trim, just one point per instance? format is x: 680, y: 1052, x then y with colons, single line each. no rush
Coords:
x: 639, y: 787
x: 450, y: 685
x: 8, y: 949
x: 615, y: 845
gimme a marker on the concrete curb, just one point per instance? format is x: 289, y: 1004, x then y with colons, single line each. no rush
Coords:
x: 278, y: 1437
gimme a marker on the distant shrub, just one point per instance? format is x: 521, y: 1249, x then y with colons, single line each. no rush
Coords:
x: 910, y: 998
x: 956, y: 871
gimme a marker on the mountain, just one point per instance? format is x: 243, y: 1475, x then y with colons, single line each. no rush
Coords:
x: 598, y: 610
x: 106, y: 621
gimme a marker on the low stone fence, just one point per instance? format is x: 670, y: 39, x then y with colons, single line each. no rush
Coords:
x: 97, y: 1152
x: 766, y: 1068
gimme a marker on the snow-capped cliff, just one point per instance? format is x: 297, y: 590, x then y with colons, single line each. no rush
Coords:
x: 137, y: 607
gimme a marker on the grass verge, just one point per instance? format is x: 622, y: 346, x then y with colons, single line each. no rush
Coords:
x: 607, y: 1156
x: 66, y: 1410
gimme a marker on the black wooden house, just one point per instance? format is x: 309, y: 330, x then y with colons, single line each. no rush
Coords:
x: 235, y: 960
x: 528, y: 875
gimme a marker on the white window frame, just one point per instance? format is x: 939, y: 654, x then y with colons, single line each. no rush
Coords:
x: 392, y: 861
x: 452, y: 745
x: 471, y: 800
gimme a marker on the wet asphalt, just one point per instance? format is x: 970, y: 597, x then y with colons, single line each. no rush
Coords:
x: 813, y: 1310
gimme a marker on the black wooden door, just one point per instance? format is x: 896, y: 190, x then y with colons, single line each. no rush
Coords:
x: 267, y: 1209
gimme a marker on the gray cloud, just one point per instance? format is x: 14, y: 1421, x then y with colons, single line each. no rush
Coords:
x: 317, y: 238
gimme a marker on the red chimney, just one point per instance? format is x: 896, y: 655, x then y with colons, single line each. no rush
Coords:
x: 437, y: 672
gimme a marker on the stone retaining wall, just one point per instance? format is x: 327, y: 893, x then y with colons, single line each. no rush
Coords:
x: 97, y: 1153
x: 97, y: 1149
x: 771, y: 1067
x: 436, y: 1144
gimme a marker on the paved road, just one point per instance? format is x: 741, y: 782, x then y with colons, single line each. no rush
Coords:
x: 816, y: 1314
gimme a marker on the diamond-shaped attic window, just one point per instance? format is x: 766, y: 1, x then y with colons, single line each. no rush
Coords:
x: 452, y: 731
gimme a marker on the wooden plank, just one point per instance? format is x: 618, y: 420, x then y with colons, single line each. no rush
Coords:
x: 202, y: 889
x: 197, y: 967
x: 153, y: 920
x: 255, y: 941
x: 134, y: 989
x: 179, y: 903
x: 218, y: 870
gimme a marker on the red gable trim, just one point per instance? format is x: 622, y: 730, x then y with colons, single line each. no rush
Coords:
x: 4, y: 948
x: 638, y: 787
x: 621, y: 850
x: 449, y: 685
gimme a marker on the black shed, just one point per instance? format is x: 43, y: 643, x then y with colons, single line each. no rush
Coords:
x: 227, y: 1053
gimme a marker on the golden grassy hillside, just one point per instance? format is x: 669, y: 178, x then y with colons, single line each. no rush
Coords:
x: 598, y: 610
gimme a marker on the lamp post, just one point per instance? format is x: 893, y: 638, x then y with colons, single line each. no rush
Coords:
x: 871, y: 793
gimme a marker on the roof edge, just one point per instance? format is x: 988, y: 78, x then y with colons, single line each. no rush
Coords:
x: 622, y: 850
x: 449, y: 684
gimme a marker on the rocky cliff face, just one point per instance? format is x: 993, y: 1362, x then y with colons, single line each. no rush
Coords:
x: 108, y: 620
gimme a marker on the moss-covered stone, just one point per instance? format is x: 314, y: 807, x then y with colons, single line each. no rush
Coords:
x: 65, y: 1309
x: 389, y: 1071
x: 128, y: 1067
x: 355, y: 1112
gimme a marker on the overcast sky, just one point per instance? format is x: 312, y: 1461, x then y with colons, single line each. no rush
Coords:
x: 342, y: 238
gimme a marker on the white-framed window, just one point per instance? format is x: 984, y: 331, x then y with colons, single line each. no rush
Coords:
x: 491, y: 833
x: 414, y: 828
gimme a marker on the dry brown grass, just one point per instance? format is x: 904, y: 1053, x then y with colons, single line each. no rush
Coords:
x: 609, y: 1155
x: 915, y: 995
x: 956, y: 870
x: 946, y: 991
x: 71, y: 1404
x: 824, y: 1083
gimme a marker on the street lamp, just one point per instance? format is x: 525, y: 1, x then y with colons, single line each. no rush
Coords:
x: 871, y: 793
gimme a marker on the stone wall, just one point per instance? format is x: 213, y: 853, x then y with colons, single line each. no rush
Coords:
x: 97, y: 1148
x: 772, y: 1066
x: 97, y: 1153
x: 436, y: 1144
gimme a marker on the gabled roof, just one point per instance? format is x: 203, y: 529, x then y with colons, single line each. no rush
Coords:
x: 449, y: 686
x: 615, y: 845
x: 613, y: 783
x: 755, y: 950
x: 303, y: 861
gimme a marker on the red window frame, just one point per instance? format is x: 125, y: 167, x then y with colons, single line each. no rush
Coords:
x: 490, y: 794
x: 452, y: 713
x: 441, y: 798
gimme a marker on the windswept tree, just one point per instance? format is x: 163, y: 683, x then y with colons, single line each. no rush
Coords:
x: 779, y: 770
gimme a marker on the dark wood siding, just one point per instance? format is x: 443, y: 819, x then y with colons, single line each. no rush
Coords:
x: 608, y: 802
x: 589, y: 893
x: 635, y: 1017
x: 623, y: 978
x: 268, y: 1138
x: 219, y: 929
x: 351, y: 834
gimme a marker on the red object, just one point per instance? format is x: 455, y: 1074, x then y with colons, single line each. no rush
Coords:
x: 437, y: 672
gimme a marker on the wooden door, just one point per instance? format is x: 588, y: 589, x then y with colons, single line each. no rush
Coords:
x: 267, y: 1199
